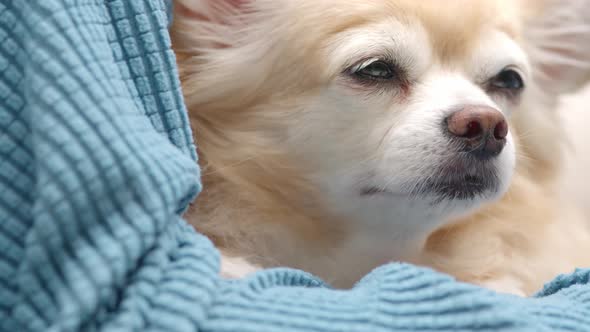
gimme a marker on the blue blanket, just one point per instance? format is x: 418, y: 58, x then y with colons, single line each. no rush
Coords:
x: 97, y: 164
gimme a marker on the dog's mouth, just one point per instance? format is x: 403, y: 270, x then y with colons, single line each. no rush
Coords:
x: 461, y: 187
x: 374, y: 190
x: 455, y: 180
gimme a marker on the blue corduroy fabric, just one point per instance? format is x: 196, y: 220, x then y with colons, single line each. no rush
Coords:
x: 96, y: 165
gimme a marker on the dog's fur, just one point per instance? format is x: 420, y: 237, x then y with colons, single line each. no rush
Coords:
x: 307, y: 168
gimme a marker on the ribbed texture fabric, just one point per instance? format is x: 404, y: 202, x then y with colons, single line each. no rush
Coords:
x: 97, y: 164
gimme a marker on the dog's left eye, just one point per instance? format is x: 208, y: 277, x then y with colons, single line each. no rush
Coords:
x: 508, y: 79
x: 374, y: 69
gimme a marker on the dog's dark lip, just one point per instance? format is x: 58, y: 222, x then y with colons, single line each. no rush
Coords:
x: 370, y: 191
x: 456, y: 180
x: 463, y: 187
x: 375, y: 191
x: 463, y: 179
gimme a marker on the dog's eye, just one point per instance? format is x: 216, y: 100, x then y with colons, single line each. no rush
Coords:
x: 374, y: 69
x: 507, y: 79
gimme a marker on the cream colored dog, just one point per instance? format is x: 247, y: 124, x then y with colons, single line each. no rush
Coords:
x: 339, y: 135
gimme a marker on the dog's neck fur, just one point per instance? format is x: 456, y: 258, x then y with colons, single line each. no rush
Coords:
x: 338, y: 249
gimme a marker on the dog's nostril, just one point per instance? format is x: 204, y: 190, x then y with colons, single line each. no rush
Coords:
x: 473, y: 130
x: 501, y: 130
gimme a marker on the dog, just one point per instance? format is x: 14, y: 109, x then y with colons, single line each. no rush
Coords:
x: 336, y: 136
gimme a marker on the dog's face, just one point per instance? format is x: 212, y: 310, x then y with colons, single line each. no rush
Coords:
x: 395, y: 111
x: 406, y: 128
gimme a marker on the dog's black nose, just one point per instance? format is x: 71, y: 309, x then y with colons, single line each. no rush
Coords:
x: 481, y: 129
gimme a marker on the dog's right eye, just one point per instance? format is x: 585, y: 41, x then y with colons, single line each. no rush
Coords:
x: 508, y: 79
x: 374, y: 69
x: 508, y: 83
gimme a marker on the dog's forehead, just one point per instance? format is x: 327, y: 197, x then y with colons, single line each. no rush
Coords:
x: 453, y: 27
x: 456, y: 26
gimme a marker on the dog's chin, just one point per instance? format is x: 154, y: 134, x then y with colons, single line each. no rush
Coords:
x: 459, y: 181
x: 460, y: 187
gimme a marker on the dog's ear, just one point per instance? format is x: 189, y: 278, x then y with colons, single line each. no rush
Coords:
x: 211, y: 23
x: 559, y: 44
x: 214, y: 11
